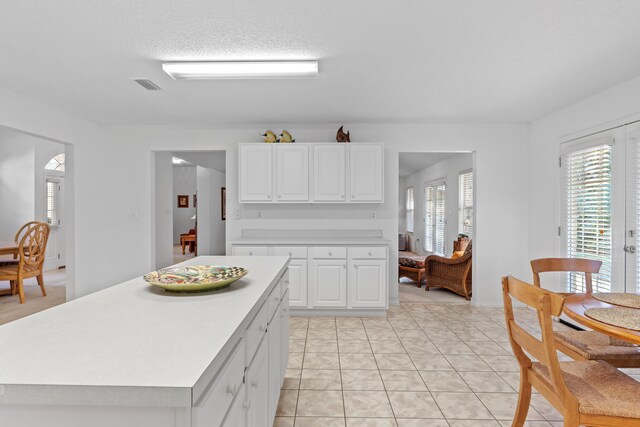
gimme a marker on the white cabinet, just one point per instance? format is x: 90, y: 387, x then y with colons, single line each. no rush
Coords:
x: 329, y: 283
x: 367, y: 283
x: 274, y: 340
x: 237, y: 415
x: 329, y: 165
x: 250, y: 250
x: 257, y: 383
x: 366, y: 173
x: 292, y: 173
x: 284, y: 334
x: 298, y: 283
x: 256, y: 173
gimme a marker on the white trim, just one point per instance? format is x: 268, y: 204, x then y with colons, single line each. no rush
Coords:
x: 336, y: 312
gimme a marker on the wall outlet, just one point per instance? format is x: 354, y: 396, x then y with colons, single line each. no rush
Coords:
x: 259, y: 214
x: 373, y: 215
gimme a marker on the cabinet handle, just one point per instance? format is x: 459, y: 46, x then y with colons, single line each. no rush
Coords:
x: 276, y: 298
x: 279, y: 196
x: 286, y: 281
x: 250, y: 253
x: 342, y: 196
x: 330, y: 254
x: 255, y: 384
x: 370, y: 254
x: 231, y: 389
x: 344, y: 265
x: 268, y: 196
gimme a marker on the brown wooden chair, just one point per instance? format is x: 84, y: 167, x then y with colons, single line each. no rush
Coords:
x: 452, y: 274
x: 31, y: 255
x: 590, y: 393
x: 586, y: 345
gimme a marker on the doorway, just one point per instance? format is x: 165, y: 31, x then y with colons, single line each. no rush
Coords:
x: 435, y: 217
x: 188, y: 207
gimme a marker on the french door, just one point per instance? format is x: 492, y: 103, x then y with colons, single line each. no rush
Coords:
x: 601, y: 207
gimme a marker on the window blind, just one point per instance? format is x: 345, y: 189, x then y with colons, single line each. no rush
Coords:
x: 465, y: 203
x: 52, y: 203
x: 587, y: 179
x: 429, y: 219
x: 440, y: 220
x: 410, y: 209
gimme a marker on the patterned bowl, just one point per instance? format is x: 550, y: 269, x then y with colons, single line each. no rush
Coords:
x: 195, y: 278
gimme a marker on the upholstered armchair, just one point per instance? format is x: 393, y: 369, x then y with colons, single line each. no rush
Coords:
x: 452, y: 274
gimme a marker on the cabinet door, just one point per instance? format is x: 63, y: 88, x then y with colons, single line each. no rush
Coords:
x: 284, y: 334
x: 365, y: 173
x: 257, y: 383
x: 237, y: 415
x: 328, y: 281
x: 368, y: 283
x: 292, y: 166
x: 275, y: 361
x: 298, y: 283
x: 329, y: 163
x: 256, y: 173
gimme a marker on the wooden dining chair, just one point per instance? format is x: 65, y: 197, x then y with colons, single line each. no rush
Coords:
x: 31, y: 254
x: 586, y: 345
x: 17, y: 239
x: 590, y: 393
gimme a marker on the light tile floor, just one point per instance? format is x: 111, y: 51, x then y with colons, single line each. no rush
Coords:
x: 427, y: 365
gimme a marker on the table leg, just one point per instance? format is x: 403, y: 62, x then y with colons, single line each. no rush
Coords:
x: 183, y: 244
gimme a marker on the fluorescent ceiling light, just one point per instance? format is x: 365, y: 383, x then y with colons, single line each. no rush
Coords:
x: 240, y: 70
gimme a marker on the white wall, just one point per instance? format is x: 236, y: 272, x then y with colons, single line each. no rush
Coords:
x: 164, y: 205
x: 448, y: 169
x: 114, y: 213
x: 184, y: 183
x: 218, y: 226
x: 610, y: 108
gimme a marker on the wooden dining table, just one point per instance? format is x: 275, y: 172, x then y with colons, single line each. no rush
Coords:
x: 576, y: 304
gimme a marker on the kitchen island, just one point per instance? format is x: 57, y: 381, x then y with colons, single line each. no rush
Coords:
x: 133, y: 355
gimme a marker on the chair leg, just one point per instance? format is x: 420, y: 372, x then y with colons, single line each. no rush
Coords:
x: 12, y: 283
x: 524, y: 399
x: 20, y: 290
x: 41, y: 283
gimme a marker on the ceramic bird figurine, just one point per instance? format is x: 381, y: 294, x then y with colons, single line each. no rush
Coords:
x: 270, y: 137
x: 285, y: 136
x: 341, y: 136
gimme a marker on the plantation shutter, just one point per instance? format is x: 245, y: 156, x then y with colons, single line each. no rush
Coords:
x: 410, y: 209
x: 429, y: 220
x: 440, y: 220
x: 52, y: 202
x: 465, y: 204
x: 633, y: 198
x: 587, y: 219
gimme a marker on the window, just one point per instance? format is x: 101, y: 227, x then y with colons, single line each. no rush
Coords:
x: 52, y: 202
x: 465, y: 203
x: 587, y: 219
x: 434, y: 217
x: 56, y: 163
x: 410, y: 204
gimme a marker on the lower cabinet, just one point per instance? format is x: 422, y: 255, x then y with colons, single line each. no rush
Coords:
x: 257, y: 384
x: 284, y: 333
x: 329, y: 283
x: 237, y: 415
x: 298, y: 283
x: 274, y: 337
x: 367, y: 283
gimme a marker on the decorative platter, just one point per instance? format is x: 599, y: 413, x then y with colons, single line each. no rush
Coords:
x: 195, y: 278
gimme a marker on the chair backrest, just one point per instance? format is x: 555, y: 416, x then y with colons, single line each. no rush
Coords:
x: 573, y: 265
x: 33, y: 244
x: 546, y: 304
x: 22, y: 229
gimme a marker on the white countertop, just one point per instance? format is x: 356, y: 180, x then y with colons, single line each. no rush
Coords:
x: 130, y: 344
x: 306, y: 241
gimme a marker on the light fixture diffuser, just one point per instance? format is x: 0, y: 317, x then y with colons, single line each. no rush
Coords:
x: 240, y: 70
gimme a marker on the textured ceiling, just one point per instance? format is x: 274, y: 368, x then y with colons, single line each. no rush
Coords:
x: 380, y: 61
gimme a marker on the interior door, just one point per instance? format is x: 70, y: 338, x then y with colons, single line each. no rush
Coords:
x: 54, y: 214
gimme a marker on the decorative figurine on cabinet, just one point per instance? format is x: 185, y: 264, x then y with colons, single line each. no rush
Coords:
x: 285, y: 136
x: 341, y: 136
x: 270, y: 137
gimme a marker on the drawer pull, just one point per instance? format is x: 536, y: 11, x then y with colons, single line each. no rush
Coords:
x: 250, y: 253
x: 231, y: 389
x: 276, y: 298
x: 289, y: 253
x: 330, y: 254
x: 344, y: 265
x: 370, y: 254
x: 255, y: 384
x: 286, y: 281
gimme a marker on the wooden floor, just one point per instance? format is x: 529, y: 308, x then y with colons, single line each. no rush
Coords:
x: 11, y: 309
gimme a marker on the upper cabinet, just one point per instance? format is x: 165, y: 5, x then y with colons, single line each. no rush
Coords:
x: 292, y: 172
x: 329, y: 177
x: 311, y: 173
x: 366, y: 173
x: 256, y: 173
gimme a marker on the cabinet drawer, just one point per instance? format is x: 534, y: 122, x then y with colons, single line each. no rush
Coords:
x: 284, y: 283
x: 368, y: 252
x: 274, y: 299
x: 217, y: 400
x: 250, y: 250
x: 329, y: 252
x: 256, y: 331
x: 290, y: 251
